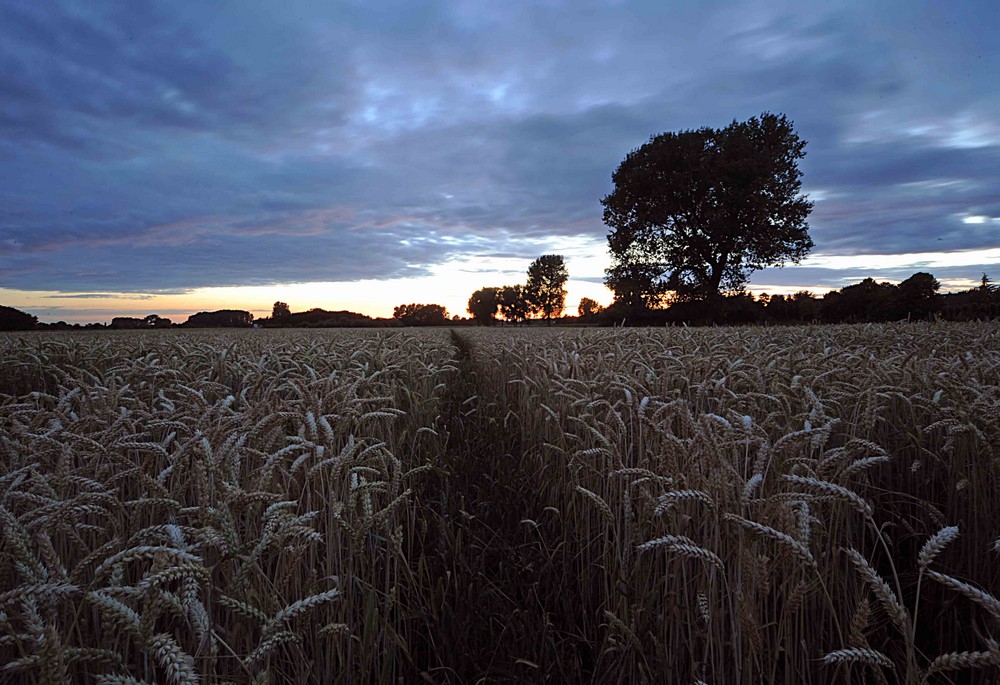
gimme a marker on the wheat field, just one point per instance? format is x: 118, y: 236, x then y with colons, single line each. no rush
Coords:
x: 737, y: 505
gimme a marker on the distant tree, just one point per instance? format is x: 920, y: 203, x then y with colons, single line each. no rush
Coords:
x: 780, y: 308
x: 984, y: 300
x: 420, y: 314
x: 512, y: 301
x: 637, y: 285
x: 127, y: 323
x: 986, y: 288
x: 57, y: 326
x: 156, y: 321
x: 546, y: 287
x: 321, y: 318
x: 918, y: 295
x: 224, y: 318
x: 738, y: 308
x: 864, y: 301
x: 15, y: 320
x: 483, y: 305
x: 588, y: 308
x: 806, y: 305
x: 696, y: 212
x: 280, y: 310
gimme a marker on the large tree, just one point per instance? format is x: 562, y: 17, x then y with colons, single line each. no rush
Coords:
x: 695, y: 212
x: 546, y: 287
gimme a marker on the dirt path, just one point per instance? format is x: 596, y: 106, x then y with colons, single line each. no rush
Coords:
x: 488, y: 561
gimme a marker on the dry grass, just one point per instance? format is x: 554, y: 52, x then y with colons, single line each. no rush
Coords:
x: 724, y: 506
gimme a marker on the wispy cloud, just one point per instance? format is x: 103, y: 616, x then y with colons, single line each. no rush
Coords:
x: 99, y: 296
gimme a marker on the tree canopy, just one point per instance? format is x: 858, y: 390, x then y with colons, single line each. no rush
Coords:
x: 280, y: 310
x: 223, y: 318
x: 12, y: 319
x: 513, y: 303
x: 546, y: 287
x: 695, y: 212
x: 130, y: 322
x: 588, y: 308
x: 420, y: 314
x: 917, y: 295
x: 483, y: 305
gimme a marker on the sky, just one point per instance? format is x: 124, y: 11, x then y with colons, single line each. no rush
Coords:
x: 173, y: 157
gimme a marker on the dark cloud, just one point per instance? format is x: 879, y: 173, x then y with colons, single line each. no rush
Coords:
x: 150, y: 146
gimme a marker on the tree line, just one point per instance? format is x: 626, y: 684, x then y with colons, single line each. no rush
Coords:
x: 544, y: 294
x: 916, y: 298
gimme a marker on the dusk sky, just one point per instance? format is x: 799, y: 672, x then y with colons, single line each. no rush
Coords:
x: 171, y: 157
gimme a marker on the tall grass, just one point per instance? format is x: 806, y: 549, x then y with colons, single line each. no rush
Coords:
x: 792, y: 505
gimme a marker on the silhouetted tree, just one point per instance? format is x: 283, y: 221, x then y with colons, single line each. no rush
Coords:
x: 127, y: 323
x: 224, y: 318
x: 280, y: 310
x: 156, y: 321
x: 864, y: 301
x: 637, y: 285
x: 780, y: 308
x: 483, y: 305
x: 512, y: 301
x: 986, y: 289
x: 321, y: 318
x: 546, y: 287
x: 15, y: 320
x: 420, y: 314
x: 588, y: 308
x: 740, y: 308
x: 806, y: 305
x: 696, y: 212
x: 917, y: 295
x: 985, y: 300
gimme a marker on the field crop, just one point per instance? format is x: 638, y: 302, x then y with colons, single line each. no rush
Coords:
x: 792, y: 505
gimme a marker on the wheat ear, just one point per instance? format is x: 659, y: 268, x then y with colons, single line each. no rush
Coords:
x: 861, y: 655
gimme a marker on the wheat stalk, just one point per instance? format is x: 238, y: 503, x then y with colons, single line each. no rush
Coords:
x: 980, y: 597
x: 935, y: 544
x: 799, y: 550
x: 860, y: 655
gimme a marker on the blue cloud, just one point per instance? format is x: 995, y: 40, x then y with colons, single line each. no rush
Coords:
x: 151, y: 146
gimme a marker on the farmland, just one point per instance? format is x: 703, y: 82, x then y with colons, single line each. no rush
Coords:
x: 735, y: 505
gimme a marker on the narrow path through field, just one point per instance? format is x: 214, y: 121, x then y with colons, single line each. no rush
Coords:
x: 490, y: 557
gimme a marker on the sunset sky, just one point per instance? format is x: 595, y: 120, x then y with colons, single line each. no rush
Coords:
x: 171, y: 157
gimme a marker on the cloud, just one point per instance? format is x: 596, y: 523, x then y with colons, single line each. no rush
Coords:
x: 99, y: 296
x: 153, y: 146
